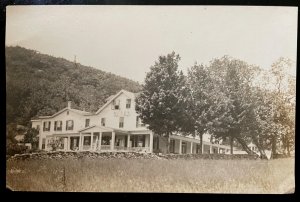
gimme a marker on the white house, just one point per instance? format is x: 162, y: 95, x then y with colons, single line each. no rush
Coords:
x: 114, y: 127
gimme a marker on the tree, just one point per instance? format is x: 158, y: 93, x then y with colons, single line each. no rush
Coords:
x: 205, y: 102
x: 31, y: 137
x: 159, y: 105
x: 282, y: 98
x: 234, y: 78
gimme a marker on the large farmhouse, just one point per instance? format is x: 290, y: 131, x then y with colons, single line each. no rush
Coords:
x: 114, y: 127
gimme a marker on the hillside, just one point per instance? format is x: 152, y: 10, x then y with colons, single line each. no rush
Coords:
x: 39, y: 84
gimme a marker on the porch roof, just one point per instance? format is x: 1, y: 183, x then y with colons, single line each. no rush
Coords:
x: 101, y: 129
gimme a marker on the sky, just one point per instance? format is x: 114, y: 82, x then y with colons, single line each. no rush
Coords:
x: 127, y: 40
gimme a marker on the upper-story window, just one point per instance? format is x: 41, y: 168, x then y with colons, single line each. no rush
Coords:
x: 121, y: 122
x: 46, y: 126
x: 38, y: 127
x: 102, y: 121
x: 57, y: 125
x: 69, y: 125
x: 139, y: 122
x: 87, y: 122
x: 115, y: 104
x: 128, y: 103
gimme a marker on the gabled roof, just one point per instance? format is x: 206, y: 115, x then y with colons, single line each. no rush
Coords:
x: 65, y: 109
x: 111, y: 98
x: 103, y: 129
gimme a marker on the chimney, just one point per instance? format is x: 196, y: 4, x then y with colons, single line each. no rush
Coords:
x: 69, y: 104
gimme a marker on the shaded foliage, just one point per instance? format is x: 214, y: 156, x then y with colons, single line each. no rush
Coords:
x: 39, y: 84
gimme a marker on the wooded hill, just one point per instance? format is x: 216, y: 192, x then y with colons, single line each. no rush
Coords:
x: 39, y: 84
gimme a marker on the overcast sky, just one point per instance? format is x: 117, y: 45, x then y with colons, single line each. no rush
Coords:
x: 127, y: 40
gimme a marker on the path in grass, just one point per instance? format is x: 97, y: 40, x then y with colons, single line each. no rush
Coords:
x: 152, y: 175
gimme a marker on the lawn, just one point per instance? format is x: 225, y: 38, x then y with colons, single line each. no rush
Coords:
x: 152, y: 175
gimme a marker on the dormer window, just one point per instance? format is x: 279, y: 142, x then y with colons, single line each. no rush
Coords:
x: 116, y: 104
x: 128, y: 103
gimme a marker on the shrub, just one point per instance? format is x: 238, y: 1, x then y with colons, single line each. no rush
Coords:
x: 12, y: 149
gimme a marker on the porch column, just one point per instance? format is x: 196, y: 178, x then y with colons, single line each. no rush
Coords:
x: 65, y: 139
x: 180, y: 146
x: 69, y: 143
x: 96, y: 143
x: 100, y: 140
x: 151, y: 143
x: 80, y: 142
x: 202, y: 148
x: 41, y: 136
x: 112, y: 142
x: 92, y: 137
x: 128, y: 142
x: 218, y: 150
x: 210, y: 149
x: 191, y: 147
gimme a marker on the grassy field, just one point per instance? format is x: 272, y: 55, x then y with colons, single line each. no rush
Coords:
x: 149, y: 175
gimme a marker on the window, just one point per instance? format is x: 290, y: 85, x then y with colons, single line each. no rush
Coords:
x: 87, y: 140
x: 183, y: 148
x: 106, y: 140
x: 116, y: 104
x: 197, y: 148
x: 172, y: 146
x: 69, y: 125
x: 138, y: 140
x: 102, y: 121
x: 57, y: 125
x: 121, y: 122
x: 87, y: 122
x: 38, y: 127
x: 139, y: 122
x: 128, y: 103
x: 46, y: 126
x: 43, y: 143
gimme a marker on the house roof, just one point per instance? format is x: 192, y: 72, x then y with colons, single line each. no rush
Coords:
x: 65, y: 109
x: 103, y: 129
x: 111, y: 98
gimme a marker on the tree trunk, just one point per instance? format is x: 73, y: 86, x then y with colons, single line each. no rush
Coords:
x: 231, y: 145
x: 245, y: 146
x: 260, y: 148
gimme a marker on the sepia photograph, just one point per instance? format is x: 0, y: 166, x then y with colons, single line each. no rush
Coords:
x: 151, y: 99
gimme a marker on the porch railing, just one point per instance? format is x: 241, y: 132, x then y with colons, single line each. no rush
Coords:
x: 105, y: 147
x: 116, y: 148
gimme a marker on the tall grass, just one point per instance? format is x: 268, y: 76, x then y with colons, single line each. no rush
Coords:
x: 149, y: 175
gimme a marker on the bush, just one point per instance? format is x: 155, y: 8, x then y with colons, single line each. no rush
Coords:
x: 13, y: 149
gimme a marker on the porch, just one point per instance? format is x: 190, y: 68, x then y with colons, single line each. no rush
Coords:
x: 104, y: 139
x: 185, y: 145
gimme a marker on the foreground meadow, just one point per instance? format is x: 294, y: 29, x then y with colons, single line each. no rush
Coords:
x: 152, y: 175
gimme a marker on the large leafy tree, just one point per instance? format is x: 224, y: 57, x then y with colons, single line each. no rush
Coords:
x: 205, y: 102
x: 160, y: 105
x: 234, y: 79
x: 283, y: 105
